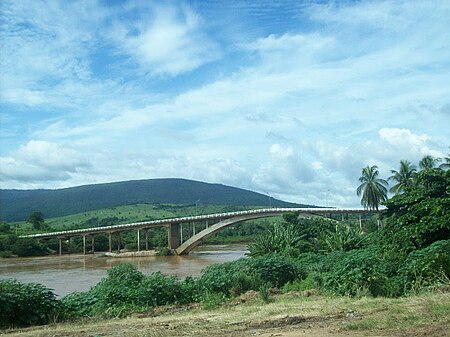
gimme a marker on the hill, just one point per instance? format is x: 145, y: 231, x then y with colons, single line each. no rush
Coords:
x: 17, y: 205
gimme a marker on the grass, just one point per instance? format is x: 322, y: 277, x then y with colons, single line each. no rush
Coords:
x: 133, y: 213
x: 287, y: 315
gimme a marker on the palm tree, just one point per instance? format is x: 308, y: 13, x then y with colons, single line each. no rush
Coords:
x: 446, y: 163
x: 372, y: 189
x: 404, y: 177
x: 428, y: 162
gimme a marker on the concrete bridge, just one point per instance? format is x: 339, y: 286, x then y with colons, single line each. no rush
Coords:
x: 214, y: 223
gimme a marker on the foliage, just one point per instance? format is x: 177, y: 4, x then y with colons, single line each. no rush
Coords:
x: 420, y: 216
x: 159, y: 289
x: 404, y: 177
x: 344, y: 237
x: 372, y: 188
x: 28, y: 247
x: 264, y: 293
x: 73, y: 200
x: 126, y: 289
x: 358, y: 273
x: 23, y: 304
x: 428, y: 162
x: 212, y: 300
x: 424, y: 267
x: 276, y: 240
x: 36, y: 219
x: 229, y: 278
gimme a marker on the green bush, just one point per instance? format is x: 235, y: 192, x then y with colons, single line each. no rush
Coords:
x: 159, y: 289
x: 357, y: 272
x: 233, y: 278
x: 77, y: 304
x: 116, y: 294
x: 23, y: 304
x: 426, y: 267
x: 275, y: 270
x: 28, y: 247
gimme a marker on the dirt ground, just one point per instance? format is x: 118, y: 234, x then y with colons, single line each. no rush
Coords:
x: 290, y: 315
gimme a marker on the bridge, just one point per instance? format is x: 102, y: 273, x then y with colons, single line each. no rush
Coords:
x: 214, y: 223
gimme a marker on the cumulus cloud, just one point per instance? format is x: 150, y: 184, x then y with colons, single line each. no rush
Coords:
x: 407, y: 143
x: 283, y: 171
x: 42, y: 161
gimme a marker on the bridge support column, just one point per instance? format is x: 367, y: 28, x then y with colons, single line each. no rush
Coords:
x: 138, y: 240
x: 110, y: 242
x: 174, y: 235
x: 93, y: 244
x: 69, y: 247
x: 146, y: 239
x: 60, y: 246
x: 84, y: 244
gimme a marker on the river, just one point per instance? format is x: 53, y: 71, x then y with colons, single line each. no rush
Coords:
x: 68, y: 273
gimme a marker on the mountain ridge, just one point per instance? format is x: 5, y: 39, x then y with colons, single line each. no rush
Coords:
x: 17, y: 205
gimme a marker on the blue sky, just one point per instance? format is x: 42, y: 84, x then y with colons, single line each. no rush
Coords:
x: 290, y: 98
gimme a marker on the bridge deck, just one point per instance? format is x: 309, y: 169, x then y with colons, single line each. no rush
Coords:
x: 191, y: 219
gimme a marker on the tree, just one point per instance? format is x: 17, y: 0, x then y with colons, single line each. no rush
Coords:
x: 446, y: 162
x: 404, y: 177
x: 36, y: 219
x: 372, y: 188
x: 428, y: 162
x: 419, y: 216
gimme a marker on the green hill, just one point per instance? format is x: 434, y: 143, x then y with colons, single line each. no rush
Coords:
x: 16, y: 205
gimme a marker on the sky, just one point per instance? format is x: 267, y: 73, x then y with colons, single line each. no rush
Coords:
x: 286, y: 98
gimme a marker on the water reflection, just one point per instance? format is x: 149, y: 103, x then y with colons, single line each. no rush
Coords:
x: 70, y: 273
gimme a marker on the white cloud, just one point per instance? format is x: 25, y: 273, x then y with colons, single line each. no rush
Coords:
x: 410, y: 145
x: 41, y: 161
x: 171, y: 43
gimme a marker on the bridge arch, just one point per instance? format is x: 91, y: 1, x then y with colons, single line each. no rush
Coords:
x: 197, y: 239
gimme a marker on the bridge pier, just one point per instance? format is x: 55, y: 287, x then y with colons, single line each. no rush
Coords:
x: 174, y: 235
x: 146, y: 239
x: 138, y: 240
x: 110, y: 242
x: 84, y: 244
x: 60, y: 246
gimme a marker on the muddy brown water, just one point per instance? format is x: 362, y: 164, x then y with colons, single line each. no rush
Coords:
x: 70, y: 273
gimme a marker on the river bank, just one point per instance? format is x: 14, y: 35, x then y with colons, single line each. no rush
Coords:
x: 288, y: 315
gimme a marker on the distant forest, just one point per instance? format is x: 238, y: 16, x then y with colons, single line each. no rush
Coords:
x: 17, y: 205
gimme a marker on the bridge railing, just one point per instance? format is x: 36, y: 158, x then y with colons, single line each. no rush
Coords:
x: 217, y: 216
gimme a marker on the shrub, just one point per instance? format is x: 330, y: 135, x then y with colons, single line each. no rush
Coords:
x: 358, y: 272
x: 23, y: 304
x: 275, y: 270
x: 233, y: 278
x: 77, y: 304
x: 118, y: 291
x: 158, y: 289
x: 423, y: 267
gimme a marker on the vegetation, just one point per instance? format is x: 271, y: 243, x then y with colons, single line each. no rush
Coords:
x: 372, y: 188
x: 404, y: 177
x: 25, y: 304
x: 16, y: 205
x: 408, y: 255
